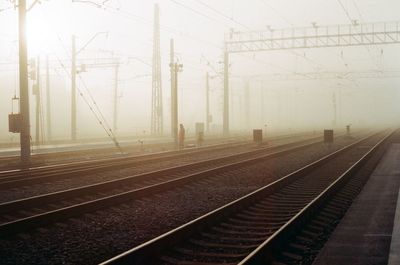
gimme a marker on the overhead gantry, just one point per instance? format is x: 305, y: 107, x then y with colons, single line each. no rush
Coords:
x: 347, y: 35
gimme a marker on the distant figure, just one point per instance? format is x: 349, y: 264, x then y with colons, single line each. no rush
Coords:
x: 348, y: 129
x: 181, y: 136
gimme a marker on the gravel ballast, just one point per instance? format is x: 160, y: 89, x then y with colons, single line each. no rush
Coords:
x: 97, y: 236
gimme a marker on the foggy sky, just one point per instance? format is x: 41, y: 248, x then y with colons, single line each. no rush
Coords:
x: 198, y: 32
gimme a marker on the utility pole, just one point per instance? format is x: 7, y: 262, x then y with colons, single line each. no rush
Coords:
x: 263, y: 92
x: 36, y: 92
x: 208, y: 117
x: 157, y: 108
x: 25, y: 140
x: 247, y: 103
x: 225, y: 120
x: 73, y: 89
x: 334, y: 109
x: 174, y: 117
x: 115, y: 103
x: 48, y: 101
x: 175, y: 69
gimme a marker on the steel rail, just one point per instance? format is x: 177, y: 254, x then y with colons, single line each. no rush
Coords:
x: 11, y: 173
x: 88, y: 151
x: 50, y: 173
x: 56, y: 172
x: 265, y: 251
x: 92, y: 205
x: 145, y: 252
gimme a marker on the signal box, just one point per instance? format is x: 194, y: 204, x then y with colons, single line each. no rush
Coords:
x: 14, y: 122
x: 328, y: 136
x: 257, y: 136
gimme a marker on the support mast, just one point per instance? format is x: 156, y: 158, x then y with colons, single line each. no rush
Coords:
x: 23, y: 86
x: 157, y: 108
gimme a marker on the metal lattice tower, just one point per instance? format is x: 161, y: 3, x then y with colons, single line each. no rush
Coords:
x: 156, y: 101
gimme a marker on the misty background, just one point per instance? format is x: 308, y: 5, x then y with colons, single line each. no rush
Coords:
x: 279, y: 96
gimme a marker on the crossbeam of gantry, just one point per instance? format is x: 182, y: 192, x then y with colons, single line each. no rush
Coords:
x: 313, y: 37
x: 326, y: 75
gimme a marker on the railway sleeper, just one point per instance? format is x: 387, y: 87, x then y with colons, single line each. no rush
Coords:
x: 333, y: 211
x: 193, y: 247
x: 310, y: 234
x: 339, y: 211
x: 230, y: 239
x: 323, y: 219
x: 304, y: 239
x: 339, y: 202
x: 301, y: 193
x: 264, y: 217
x: 257, y: 223
x: 291, y: 257
x: 245, y: 232
x: 335, y: 206
x: 281, y: 203
x: 248, y: 228
x: 209, y: 254
x: 276, y: 210
x: 269, y: 206
x: 328, y: 215
x: 315, y: 228
x: 227, y: 246
x: 294, y: 198
x: 318, y: 222
x: 298, y: 248
x: 263, y: 213
x: 168, y: 260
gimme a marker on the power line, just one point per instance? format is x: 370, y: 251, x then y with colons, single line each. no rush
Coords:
x: 358, y: 10
x: 354, y: 22
x: 245, y: 26
x: 345, y: 11
x: 222, y: 14
x: 194, y: 10
x: 98, y: 116
x: 169, y: 29
x: 277, y: 12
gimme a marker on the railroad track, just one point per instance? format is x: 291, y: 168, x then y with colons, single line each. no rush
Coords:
x: 252, y: 229
x: 36, y: 211
x: 15, y: 178
x: 43, y: 159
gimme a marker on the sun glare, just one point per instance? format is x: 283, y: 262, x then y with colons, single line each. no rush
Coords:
x: 43, y: 36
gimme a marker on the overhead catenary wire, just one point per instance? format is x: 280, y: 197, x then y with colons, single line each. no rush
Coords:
x: 222, y: 14
x: 163, y: 27
x: 345, y: 11
x: 194, y: 10
x: 277, y: 12
x: 202, y: 14
x: 245, y: 26
x: 98, y: 116
x: 353, y: 21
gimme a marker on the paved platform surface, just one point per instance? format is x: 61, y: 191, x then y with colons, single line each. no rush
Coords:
x: 364, y: 235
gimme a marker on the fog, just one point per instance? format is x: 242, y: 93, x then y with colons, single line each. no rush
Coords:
x: 343, y: 85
